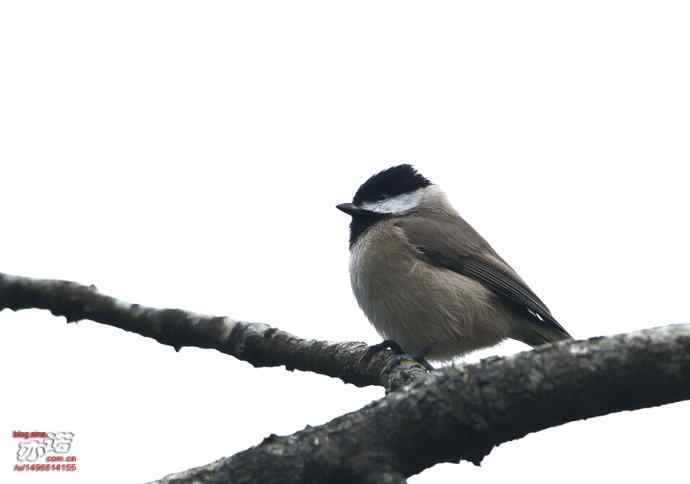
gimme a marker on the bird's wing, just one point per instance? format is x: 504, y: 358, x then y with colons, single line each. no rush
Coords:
x: 455, y: 245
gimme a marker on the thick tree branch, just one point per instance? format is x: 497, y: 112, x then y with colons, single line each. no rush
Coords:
x: 445, y: 416
x: 462, y: 413
x: 256, y: 343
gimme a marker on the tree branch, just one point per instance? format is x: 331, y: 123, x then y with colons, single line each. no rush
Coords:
x: 445, y: 416
x: 462, y: 413
x: 256, y: 343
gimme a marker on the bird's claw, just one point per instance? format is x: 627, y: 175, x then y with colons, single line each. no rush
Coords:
x: 404, y: 358
x: 388, y: 344
x: 400, y: 355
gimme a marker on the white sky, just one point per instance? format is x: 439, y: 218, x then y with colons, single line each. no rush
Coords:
x: 190, y: 154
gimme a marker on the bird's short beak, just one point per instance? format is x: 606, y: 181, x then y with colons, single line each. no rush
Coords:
x: 348, y: 208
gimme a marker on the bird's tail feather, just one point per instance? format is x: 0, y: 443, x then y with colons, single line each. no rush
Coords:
x: 536, y: 333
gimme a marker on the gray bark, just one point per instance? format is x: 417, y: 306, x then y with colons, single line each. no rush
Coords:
x: 256, y: 343
x: 462, y: 413
x: 444, y: 416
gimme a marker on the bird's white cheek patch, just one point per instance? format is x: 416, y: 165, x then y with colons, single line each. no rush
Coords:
x: 399, y: 203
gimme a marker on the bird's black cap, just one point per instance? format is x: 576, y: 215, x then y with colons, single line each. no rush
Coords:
x: 393, y: 181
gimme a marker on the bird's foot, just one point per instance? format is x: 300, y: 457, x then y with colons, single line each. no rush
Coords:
x: 400, y: 356
x: 404, y: 358
x: 387, y: 344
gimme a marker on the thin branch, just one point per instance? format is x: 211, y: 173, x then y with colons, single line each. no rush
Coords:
x: 462, y: 413
x: 257, y: 343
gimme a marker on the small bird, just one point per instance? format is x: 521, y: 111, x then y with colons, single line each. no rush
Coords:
x: 428, y: 282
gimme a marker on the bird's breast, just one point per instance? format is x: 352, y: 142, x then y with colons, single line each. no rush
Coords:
x: 412, y: 302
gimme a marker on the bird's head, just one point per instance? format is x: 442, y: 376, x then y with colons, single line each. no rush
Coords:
x: 395, y: 191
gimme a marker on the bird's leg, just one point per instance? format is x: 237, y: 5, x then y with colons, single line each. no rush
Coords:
x: 400, y: 354
x: 419, y: 357
x: 387, y: 344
